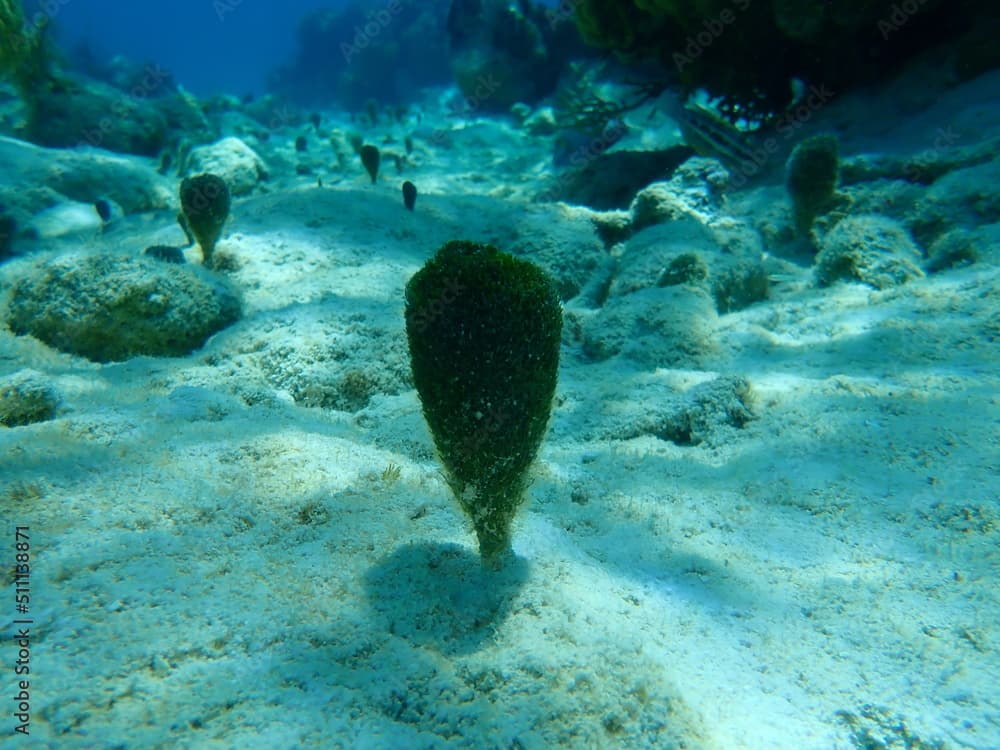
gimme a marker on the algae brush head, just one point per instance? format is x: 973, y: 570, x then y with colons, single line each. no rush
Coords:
x: 370, y: 158
x: 409, y: 195
x: 811, y: 178
x: 205, y: 205
x: 484, y: 330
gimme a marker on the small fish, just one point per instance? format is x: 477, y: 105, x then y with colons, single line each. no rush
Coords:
x: 103, y: 208
x: 166, y: 253
x: 576, y: 147
x: 710, y: 135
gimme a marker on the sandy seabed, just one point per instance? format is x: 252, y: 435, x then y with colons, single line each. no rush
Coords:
x: 220, y: 560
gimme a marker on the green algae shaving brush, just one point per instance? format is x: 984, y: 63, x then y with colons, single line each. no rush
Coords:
x: 484, y: 329
x: 205, y: 206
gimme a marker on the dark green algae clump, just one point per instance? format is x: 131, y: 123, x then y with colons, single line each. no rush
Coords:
x: 484, y: 330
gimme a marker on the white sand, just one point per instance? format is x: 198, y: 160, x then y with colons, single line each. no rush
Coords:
x: 212, y: 574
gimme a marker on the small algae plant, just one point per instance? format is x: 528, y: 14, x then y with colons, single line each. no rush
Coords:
x: 484, y: 329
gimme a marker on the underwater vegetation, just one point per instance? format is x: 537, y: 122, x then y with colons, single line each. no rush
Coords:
x: 23, y: 57
x: 64, y: 109
x: 165, y: 253
x: 61, y: 111
x: 506, y: 52
x: 484, y: 331
x: 812, y: 178
x: 26, y: 397
x: 580, y: 108
x: 367, y: 50
x: 110, y: 308
x: 495, y: 52
x: 409, y: 195
x: 25, y: 54
x: 746, y: 53
x: 205, y: 207
x: 371, y: 159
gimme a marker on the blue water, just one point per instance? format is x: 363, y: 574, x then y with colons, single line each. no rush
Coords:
x: 210, y: 46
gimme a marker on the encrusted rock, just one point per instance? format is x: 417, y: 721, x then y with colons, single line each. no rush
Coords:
x: 27, y: 397
x: 871, y: 249
x: 685, y: 252
x: 113, y: 307
x: 93, y: 114
x: 694, y: 190
x: 232, y: 160
x: 35, y: 178
x: 659, y: 327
